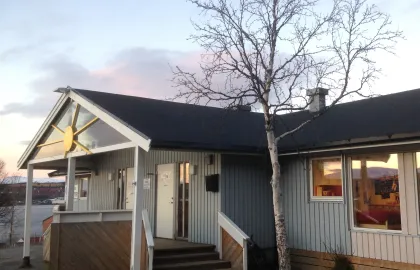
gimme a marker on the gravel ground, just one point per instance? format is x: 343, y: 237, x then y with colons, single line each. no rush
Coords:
x: 11, y: 258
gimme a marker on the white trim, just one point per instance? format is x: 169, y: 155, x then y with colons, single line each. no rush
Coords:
x: 83, y: 153
x: 149, y: 237
x: 314, y: 198
x: 131, y: 133
x: 147, y: 228
x: 237, y: 234
x: 71, y: 179
x: 136, y: 226
x: 351, y: 148
x: 53, y: 113
x: 416, y: 186
x: 350, y: 210
x: 232, y: 229
x: 91, y: 216
x: 28, y: 212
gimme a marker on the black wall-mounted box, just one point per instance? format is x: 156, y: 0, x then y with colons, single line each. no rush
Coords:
x: 212, y: 183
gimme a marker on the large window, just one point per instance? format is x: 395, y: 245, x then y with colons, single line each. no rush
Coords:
x: 375, y: 189
x: 326, y: 179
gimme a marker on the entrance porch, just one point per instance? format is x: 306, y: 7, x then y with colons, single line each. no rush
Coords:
x: 102, y: 240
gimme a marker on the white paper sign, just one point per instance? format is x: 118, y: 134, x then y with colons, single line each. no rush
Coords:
x: 146, y: 183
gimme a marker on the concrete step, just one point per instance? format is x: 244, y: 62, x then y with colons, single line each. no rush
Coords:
x: 202, y: 265
x: 188, y: 257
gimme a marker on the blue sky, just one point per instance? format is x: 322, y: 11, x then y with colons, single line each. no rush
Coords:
x: 125, y: 47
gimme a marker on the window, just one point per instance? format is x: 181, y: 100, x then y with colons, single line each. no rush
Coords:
x: 375, y: 190
x: 84, y: 187
x: 183, y: 199
x: 418, y: 176
x: 326, y: 179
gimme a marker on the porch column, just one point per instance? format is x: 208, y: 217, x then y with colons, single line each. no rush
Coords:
x: 137, y: 209
x: 26, y: 263
x: 71, y: 176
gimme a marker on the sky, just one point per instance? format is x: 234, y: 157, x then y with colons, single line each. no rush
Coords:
x: 123, y: 47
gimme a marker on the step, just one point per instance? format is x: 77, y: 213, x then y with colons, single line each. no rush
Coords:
x: 184, y: 250
x: 188, y: 257
x: 202, y: 265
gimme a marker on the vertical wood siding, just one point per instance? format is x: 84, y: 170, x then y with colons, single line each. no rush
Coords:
x: 203, y: 205
x: 247, y: 196
x: 102, y: 192
x: 312, y: 225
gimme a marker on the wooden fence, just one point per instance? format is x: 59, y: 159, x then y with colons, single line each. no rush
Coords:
x: 90, y: 245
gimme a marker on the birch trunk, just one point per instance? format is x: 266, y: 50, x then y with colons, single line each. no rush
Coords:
x: 279, y: 219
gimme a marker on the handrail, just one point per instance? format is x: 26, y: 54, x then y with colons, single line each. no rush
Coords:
x: 237, y: 234
x: 149, y: 238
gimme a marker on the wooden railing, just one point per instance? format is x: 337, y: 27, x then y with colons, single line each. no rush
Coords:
x: 233, y: 243
x: 147, y: 243
x: 91, y: 216
x: 79, y: 240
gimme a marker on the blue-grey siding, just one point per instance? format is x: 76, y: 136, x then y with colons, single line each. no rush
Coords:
x: 203, y: 205
x: 246, y: 196
x: 312, y: 225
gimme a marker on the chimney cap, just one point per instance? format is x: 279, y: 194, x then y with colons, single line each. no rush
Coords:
x: 317, y: 91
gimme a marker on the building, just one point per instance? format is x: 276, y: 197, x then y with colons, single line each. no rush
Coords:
x: 202, y: 175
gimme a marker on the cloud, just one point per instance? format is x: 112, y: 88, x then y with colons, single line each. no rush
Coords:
x: 138, y: 71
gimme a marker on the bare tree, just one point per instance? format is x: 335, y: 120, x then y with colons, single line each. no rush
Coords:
x: 4, y: 194
x: 266, y: 53
x: 9, y: 212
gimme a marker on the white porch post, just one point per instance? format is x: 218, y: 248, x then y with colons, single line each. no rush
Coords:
x: 28, y: 217
x: 71, y: 175
x: 137, y: 209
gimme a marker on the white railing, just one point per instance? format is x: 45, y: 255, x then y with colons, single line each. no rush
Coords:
x: 149, y: 238
x: 91, y: 216
x: 236, y: 233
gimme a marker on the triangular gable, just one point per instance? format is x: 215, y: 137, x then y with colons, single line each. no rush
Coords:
x: 76, y: 129
x: 102, y: 124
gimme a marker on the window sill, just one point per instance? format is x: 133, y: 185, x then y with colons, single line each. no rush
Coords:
x: 377, y: 231
x: 327, y: 200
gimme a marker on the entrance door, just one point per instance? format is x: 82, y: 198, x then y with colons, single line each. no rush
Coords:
x: 129, y: 191
x: 165, y: 207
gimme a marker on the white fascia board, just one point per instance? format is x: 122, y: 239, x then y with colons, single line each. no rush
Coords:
x: 131, y: 133
x: 53, y: 113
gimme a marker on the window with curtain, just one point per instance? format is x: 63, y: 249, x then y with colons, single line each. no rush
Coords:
x: 375, y: 190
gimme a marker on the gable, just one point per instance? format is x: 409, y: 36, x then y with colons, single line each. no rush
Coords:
x: 75, y: 129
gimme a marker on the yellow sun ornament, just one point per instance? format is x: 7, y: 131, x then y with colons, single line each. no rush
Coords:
x: 70, y: 134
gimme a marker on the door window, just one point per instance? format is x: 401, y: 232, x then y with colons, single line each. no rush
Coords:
x: 183, y: 200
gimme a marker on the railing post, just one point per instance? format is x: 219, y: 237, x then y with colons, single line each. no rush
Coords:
x: 137, y: 210
x: 71, y: 178
x: 26, y: 263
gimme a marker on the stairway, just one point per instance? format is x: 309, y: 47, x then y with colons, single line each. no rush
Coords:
x: 203, y: 257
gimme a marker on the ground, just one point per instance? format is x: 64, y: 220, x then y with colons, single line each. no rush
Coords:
x: 11, y: 258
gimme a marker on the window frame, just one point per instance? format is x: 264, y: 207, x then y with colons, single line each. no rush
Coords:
x: 311, y: 182
x: 417, y: 187
x: 349, y: 183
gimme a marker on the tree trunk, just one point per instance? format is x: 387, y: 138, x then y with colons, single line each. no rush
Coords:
x: 279, y: 219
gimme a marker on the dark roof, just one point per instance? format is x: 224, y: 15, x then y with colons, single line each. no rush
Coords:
x: 185, y: 126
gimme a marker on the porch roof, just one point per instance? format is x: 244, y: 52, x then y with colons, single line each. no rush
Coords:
x: 184, y: 126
